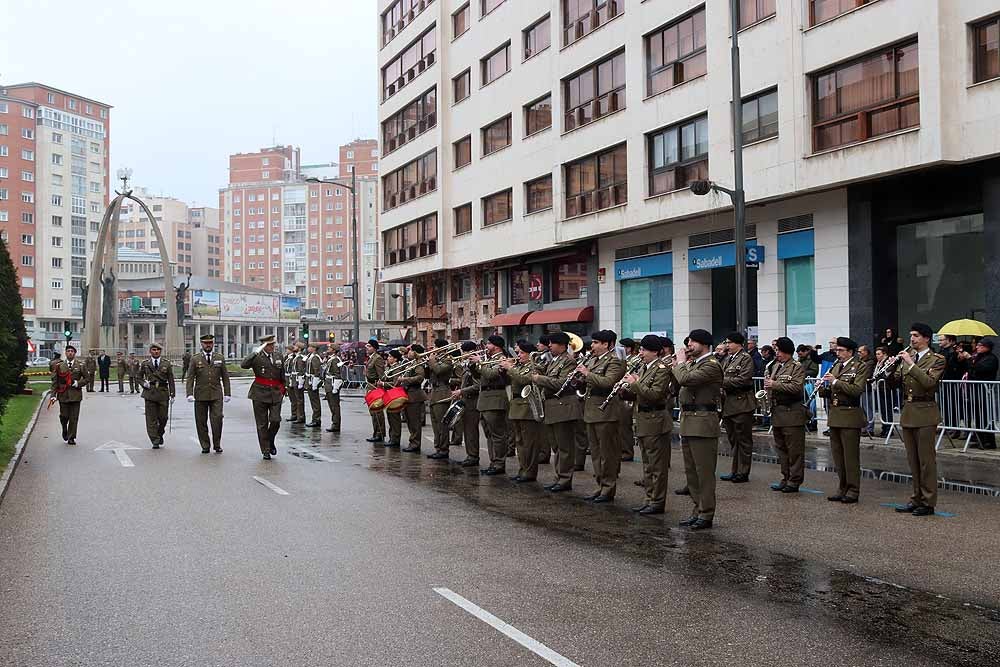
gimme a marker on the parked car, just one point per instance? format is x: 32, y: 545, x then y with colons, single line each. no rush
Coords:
x: 39, y: 362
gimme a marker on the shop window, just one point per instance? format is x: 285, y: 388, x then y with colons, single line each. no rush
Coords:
x: 678, y: 155
x: 519, y: 284
x: 596, y: 182
x: 676, y: 54
x: 986, y: 44
x: 569, y: 278
x: 647, y: 306
x: 800, y: 291
x: 594, y: 92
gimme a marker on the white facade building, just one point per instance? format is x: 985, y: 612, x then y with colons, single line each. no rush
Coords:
x: 871, y: 131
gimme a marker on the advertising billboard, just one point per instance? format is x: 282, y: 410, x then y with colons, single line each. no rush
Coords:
x: 290, y: 307
x: 249, y: 306
x: 205, y: 303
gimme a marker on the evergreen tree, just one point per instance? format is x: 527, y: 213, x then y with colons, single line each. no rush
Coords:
x: 13, y: 336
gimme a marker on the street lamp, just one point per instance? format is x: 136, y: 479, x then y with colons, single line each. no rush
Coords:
x: 354, y: 245
x: 737, y: 194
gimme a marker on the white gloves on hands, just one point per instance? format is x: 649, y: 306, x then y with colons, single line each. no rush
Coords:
x: 226, y: 399
x: 315, y: 384
x: 145, y: 383
x: 301, y: 383
x: 190, y: 399
x: 76, y: 383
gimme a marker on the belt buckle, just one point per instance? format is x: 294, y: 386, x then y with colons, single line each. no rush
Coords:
x: 836, y: 402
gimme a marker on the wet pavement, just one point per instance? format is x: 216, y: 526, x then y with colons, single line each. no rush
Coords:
x: 191, y: 559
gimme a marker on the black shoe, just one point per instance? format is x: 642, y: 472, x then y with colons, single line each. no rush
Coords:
x: 522, y: 480
x: 728, y: 477
x: 788, y: 488
x: 908, y: 508
x: 204, y: 450
x: 778, y: 486
x: 470, y: 463
x: 548, y: 487
x: 625, y: 459
x: 848, y: 500
x: 682, y: 492
x: 267, y: 457
x: 639, y: 482
x: 517, y: 479
x: 274, y: 450
x: 836, y: 498
x: 410, y: 450
x: 218, y: 450
x: 923, y: 510
x: 690, y: 521
x: 593, y: 496
x: 332, y: 430
x: 156, y: 445
x: 559, y: 488
x: 314, y: 424
x: 701, y: 524
x: 649, y: 510
x: 826, y: 432
x: 492, y: 472
x: 740, y: 479
x: 639, y: 508
x: 438, y: 455
x: 578, y: 468
x: 389, y: 445
x: 291, y: 419
x: 600, y: 500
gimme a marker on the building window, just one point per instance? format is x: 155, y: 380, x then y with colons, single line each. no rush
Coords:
x: 463, y: 151
x: 399, y: 15
x: 411, y: 241
x: 496, y: 135
x: 986, y: 40
x: 57, y: 262
x: 487, y: 6
x: 57, y: 283
x: 57, y: 242
x: 495, y: 65
x: 57, y: 200
x: 56, y: 304
x: 57, y: 221
x: 596, y: 182
x: 676, y: 53
x: 538, y: 194
x: 463, y: 219
x: 27, y: 155
x: 28, y: 176
x: 821, y: 11
x: 461, y: 86
x: 498, y: 208
x: 760, y: 116
x: 413, y: 120
x: 594, y: 92
x: 537, y: 37
x: 27, y: 260
x: 581, y: 17
x: 410, y: 181
x: 409, y: 64
x: 754, y: 11
x: 678, y: 155
x: 57, y: 159
x: 874, y: 95
x: 460, y: 22
x: 538, y: 116
x: 27, y: 239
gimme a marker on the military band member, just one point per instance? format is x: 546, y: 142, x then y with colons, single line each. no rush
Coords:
x: 332, y: 382
x: 468, y: 391
x: 412, y: 381
x: 299, y: 386
x: 133, y: 373
x: 650, y: 391
x: 918, y: 374
x: 266, y: 393
x: 122, y: 367
x: 542, y: 360
x: 157, y: 379
x: 291, y: 381
x: 493, y: 405
x: 90, y: 366
x: 395, y: 419
x: 68, y: 380
x: 600, y: 374
x: 784, y: 384
x: 522, y: 419
x: 562, y: 411
x: 579, y: 426
x: 699, y: 376
x: 314, y: 378
x: 625, y: 420
x: 843, y: 385
x: 440, y: 372
x: 208, y: 388
x: 738, y: 407
x: 374, y: 369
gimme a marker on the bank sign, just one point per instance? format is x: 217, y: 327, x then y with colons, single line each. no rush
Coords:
x: 645, y: 267
x: 723, y: 255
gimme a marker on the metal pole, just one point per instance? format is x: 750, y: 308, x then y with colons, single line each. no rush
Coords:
x: 354, y: 252
x: 739, y: 199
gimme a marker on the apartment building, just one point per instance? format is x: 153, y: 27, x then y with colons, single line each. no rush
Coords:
x: 536, y: 159
x: 53, y: 192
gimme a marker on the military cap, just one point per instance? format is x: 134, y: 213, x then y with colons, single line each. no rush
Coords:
x: 68, y: 348
x: 440, y: 342
x: 651, y: 342
x: 207, y: 338
x: 468, y: 346
x: 418, y: 348
x: 267, y: 339
x: 922, y: 329
x: 604, y: 336
x: 155, y: 346
x: 736, y: 337
x: 559, y: 338
x: 497, y: 340
x: 373, y: 342
x: 396, y: 354
x: 701, y: 336
x: 525, y: 345
x: 844, y: 341
x: 785, y: 345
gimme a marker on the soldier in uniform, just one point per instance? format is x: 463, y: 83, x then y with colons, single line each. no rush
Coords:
x: 185, y: 361
x: 68, y: 380
x: 784, y: 383
x: 266, y: 393
x: 412, y: 381
x: 468, y: 391
x: 157, y: 379
x: 122, y: 367
x: 395, y: 419
x: 299, y: 386
x: 314, y: 377
x: 133, y: 373
x: 332, y: 381
x: 918, y: 374
x: 291, y: 381
x: 521, y: 417
x: 625, y: 420
x: 700, y: 381
x: 562, y: 411
x: 207, y: 387
x: 493, y: 405
x: 374, y: 369
x: 738, y: 407
x: 600, y: 374
x: 843, y: 385
x: 440, y: 371
x: 650, y: 391
x: 90, y: 367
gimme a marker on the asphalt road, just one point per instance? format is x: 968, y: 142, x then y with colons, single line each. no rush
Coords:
x: 375, y: 557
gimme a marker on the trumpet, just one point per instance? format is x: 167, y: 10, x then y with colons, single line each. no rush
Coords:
x: 621, y: 385
x: 764, y: 401
x: 888, y: 366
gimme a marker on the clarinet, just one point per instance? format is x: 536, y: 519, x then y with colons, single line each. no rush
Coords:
x: 572, y: 377
x: 621, y: 384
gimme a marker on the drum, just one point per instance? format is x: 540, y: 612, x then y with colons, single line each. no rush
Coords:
x: 375, y: 399
x: 395, y: 399
x: 454, y: 413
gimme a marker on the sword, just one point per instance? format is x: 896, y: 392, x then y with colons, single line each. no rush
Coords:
x: 170, y: 416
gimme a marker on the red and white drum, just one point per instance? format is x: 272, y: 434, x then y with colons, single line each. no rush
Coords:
x: 395, y: 399
x: 375, y: 399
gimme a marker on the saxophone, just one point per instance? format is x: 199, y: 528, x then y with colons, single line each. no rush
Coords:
x: 532, y: 395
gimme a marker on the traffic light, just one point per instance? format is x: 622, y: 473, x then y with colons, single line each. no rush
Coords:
x: 67, y: 330
x: 305, y: 332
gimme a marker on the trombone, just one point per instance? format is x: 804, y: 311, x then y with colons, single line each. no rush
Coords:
x: 422, y: 358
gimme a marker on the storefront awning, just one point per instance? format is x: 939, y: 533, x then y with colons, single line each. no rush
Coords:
x: 560, y: 315
x: 509, y: 319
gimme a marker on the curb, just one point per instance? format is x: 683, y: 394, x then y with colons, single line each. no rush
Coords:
x: 8, y: 472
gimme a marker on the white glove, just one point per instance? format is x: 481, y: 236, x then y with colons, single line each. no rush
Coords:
x: 171, y: 400
x: 301, y: 383
x: 145, y: 383
x: 226, y: 399
x: 76, y: 383
x: 315, y: 384
x: 190, y: 399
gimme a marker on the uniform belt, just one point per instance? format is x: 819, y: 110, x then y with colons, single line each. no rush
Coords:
x: 600, y: 393
x: 739, y: 392
x: 653, y: 408
x: 920, y: 399
x: 493, y: 387
x: 846, y: 402
x: 699, y: 407
x: 787, y: 404
x: 268, y: 382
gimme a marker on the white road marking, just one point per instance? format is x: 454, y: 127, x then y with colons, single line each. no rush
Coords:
x: 524, y: 640
x: 277, y: 489
x: 119, y: 449
x: 124, y: 459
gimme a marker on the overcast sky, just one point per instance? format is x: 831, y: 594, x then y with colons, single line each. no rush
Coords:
x: 193, y: 81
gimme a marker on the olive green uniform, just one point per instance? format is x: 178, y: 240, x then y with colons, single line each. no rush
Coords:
x: 122, y: 367
x: 68, y: 381
x: 313, y: 380
x: 266, y: 399
x: 414, y: 410
x: 395, y: 421
x: 651, y: 407
x: 440, y: 373
x: 208, y: 381
x: 603, y: 426
x: 846, y: 419
x: 493, y: 405
x: 919, y: 421
x: 789, y: 418
x: 332, y: 373
x: 561, y: 414
x: 626, y: 421
x: 470, y: 416
x: 523, y: 422
x: 288, y: 364
x: 90, y: 367
x: 133, y: 375
x: 185, y: 362
x: 299, y: 387
x: 700, y: 391
x: 157, y: 379
x: 737, y: 409
x: 374, y: 370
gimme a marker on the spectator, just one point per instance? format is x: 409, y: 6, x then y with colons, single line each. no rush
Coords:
x: 806, y: 361
x: 721, y: 351
x: 767, y: 356
x: 758, y: 361
x: 957, y: 360
x: 865, y: 355
x: 984, y: 369
x: 830, y: 356
x: 890, y: 341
